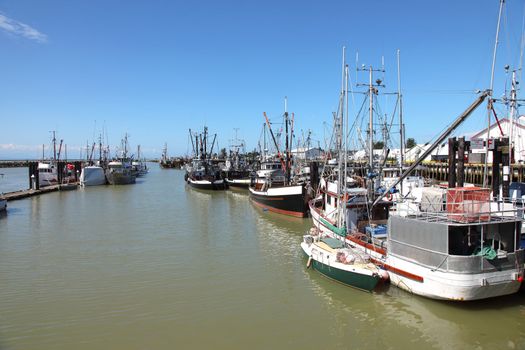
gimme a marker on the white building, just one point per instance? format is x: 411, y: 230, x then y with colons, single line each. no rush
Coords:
x: 440, y: 153
x: 505, y: 128
x: 411, y: 154
x: 306, y: 153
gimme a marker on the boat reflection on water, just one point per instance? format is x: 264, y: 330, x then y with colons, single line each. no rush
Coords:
x: 407, y: 320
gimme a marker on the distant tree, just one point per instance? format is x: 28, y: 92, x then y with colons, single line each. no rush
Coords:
x: 252, y: 156
x: 379, y: 145
x: 411, y: 142
x: 222, y: 154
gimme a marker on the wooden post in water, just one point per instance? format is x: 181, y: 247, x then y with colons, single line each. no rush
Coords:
x: 505, y: 154
x: 461, y: 161
x: 30, y: 173
x: 452, y: 162
x: 314, y: 176
x: 34, y: 176
x: 496, y: 160
x: 78, y: 169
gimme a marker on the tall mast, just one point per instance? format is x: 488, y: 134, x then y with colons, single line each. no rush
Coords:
x: 371, y: 122
x: 344, y: 129
x: 54, y: 147
x: 401, y: 129
x: 205, y: 142
x: 372, y: 90
x: 512, y: 115
x: 489, y: 104
x: 264, y: 141
x: 341, y: 164
x: 401, y: 126
x: 100, y: 149
x: 339, y: 129
x: 287, y: 169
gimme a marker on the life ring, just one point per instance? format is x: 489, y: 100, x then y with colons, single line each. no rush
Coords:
x: 309, y: 262
x: 389, y: 196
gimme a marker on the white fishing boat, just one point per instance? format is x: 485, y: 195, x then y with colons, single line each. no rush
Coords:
x: 92, y: 175
x: 458, y: 247
x: 48, y: 171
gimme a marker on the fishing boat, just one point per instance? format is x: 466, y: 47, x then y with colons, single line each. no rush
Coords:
x: 203, y: 173
x: 237, y: 172
x: 49, y: 172
x: 93, y: 173
x: 138, y: 165
x: 119, y: 171
x: 459, y: 246
x: 169, y: 162
x: 275, y: 190
x: 239, y: 179
x: 331, y: 258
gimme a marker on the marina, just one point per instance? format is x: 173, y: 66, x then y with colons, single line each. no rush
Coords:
x: 329, y: 184
x: 137, y: 278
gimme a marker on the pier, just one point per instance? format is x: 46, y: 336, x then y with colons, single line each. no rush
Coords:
x: 473, y: 172
x: 11, y: 196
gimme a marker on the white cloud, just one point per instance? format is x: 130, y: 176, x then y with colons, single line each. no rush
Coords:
x: 13, y: 147
x: 18, y: 28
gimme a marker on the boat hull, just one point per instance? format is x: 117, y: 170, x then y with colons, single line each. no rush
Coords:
x: 238, y: 183
x: 433, y: 284
x: 353, y: 278
x: 117, y: 178
x: 288, y: 200
x: 451, y: 286
x: 92, y: 176
x: 216, y: 185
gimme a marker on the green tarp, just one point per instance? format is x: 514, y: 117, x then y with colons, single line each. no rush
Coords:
x: 487, y: 252
x: 332, y: 242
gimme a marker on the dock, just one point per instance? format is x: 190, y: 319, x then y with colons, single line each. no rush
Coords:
x: 11, y: 196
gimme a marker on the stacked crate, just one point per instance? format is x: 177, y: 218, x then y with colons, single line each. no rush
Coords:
x: 468, y: 204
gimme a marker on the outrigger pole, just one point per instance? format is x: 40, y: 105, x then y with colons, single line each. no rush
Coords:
x: 192, y: 144
x: 212, y: 144
x: 440, y: 139
x: 275, y: 142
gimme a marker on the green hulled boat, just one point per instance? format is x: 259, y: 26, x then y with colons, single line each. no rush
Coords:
x: 345, y: 265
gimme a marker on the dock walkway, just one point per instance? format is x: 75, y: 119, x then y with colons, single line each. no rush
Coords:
x: 11, y: 196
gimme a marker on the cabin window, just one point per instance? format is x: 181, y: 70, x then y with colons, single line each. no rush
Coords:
x: 329, y: 200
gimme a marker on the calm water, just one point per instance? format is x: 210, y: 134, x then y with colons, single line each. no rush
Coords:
x: 13, y: 179
x: 158, y: 265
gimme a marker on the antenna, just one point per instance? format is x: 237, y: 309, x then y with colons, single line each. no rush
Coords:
x: 489, y: 104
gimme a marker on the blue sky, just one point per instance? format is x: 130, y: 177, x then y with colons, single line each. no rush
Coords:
x: 154, y: 69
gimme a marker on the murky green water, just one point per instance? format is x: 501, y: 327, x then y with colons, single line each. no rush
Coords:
x: 158, y: 265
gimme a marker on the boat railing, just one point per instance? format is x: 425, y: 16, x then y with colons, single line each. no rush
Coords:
x: 465, y: 212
